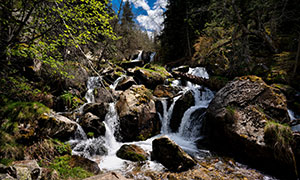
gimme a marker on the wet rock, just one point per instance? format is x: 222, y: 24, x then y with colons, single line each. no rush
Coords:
x: 108, y: 176
x: 86, y: 164
x: 98, y: 109
x: 238, y: 117
x: 137, y: 114
x: 166, y: 91
x: 102, y: 95
x: 92, y: 123
x: 171, y: 155
x: 182, y: 104
x: 132, y: 153
x: 126, y: 83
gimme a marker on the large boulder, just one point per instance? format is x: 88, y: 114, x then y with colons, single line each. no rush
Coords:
x: 132, y: 153
x: 171, y: 155
x: 93, y: 124
x: 182, y: 104
x: 98, y: 109
x: 151, y: 76
x: 137, y: 114
x: 86, y: 164
x: 245, y: 119
x: 102, y: 95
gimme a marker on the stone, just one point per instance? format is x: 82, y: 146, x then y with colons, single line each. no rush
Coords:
x: 32, y: 167
x: 56, y: 126
x: 151, y: 76
x: 169, y: 154
x: 102, y: 95
x: 237, y: 118
x: 166, y: 91
x: 108, y: 176
x: 137, y: 114
x: 92, y: 123
x: 132, y: 153
x: 98, y: 109
x: 126, y: 83
x: 182, y: 104
x: 86, y: 164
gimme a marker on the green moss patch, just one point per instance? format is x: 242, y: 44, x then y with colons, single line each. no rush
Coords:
x: 62, y: 166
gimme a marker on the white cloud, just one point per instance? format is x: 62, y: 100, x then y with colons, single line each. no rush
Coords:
x: 140, y: 3
x: 154, y: 18
x: 161, y: 3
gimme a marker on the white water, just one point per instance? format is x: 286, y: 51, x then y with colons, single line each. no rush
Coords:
x: 117, y: 81
x: 152, y: 57
x: 93, y: 82
x: 139, y: 56
x: 185, y: 137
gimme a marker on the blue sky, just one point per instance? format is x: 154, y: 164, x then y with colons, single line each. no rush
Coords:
x: 149, y: 13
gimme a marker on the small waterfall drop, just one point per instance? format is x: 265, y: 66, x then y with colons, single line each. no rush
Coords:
x: 152, y: 57
x: 167, y: 114
x: 117, y: 81
x: 93, y: 82
x: 139, y: 56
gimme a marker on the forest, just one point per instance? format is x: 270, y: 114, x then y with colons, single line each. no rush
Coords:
x: 214, y: 95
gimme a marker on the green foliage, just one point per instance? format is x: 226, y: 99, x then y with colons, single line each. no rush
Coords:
x: 91, y: 134
x: 42, y: 29
x: 70, y: 101
x: 19, y: 88
x: 62, y: 166
x: 62, y: 148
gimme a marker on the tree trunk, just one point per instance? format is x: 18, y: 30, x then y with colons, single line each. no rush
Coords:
x: 297, y: 58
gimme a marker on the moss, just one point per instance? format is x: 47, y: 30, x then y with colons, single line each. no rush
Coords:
x: 61, y: 165
x: 278, y: 134
x: 90, y: 134
x: 251, y: 78
x: 6, y: 162
x: 280, y: 137
x: 127, y: 153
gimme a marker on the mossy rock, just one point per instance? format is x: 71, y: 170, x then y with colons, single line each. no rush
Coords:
x: 62, y: 166
x: 20, y: 119
x: 132, y: 153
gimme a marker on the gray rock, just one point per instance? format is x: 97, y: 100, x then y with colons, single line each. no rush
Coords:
x: 171, y: 155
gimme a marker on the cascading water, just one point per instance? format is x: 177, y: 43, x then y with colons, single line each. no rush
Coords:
x: 117, y: 81
x: 139, y: 56
x: 152, y: 57
x: 167, y: 113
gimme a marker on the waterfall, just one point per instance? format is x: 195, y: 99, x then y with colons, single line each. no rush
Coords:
x: 167, y: 114
x: 152, y: 57
x: 117, y: 81
x: 139, y: 56
x: 93, y: 82
x: 111, y: 125
x: 191, y: 124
